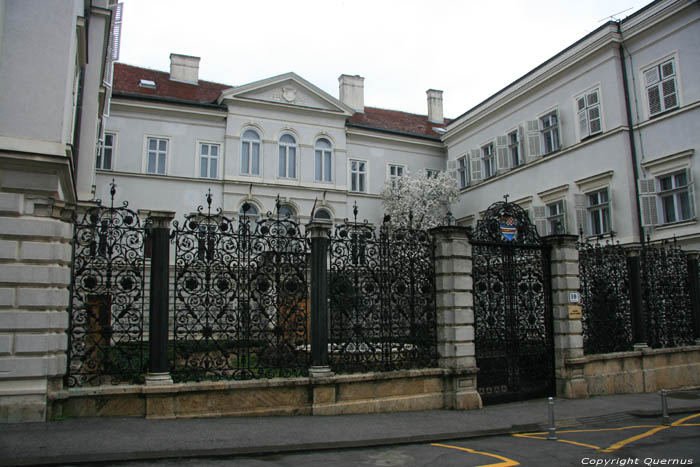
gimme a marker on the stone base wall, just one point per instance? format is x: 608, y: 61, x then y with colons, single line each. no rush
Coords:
x: 35, y: 256
x: 398, y: 391
x: 645, y: 370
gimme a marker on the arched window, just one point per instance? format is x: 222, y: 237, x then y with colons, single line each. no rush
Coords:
x: 287, y: 165
x: 250, y: 153
x: 249, y: 210
x: 323, y: 161
x: 322, y: 214
x: 287, y: 211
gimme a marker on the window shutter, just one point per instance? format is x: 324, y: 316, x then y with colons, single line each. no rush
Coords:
x: 522, y: 136
x: 594, y: 119
x: 539, y: 215
x: 691, y: 192
x: 559, y: 127
x: 647, y: 197
x: 583, y: 124
x: 654, y: 98
x: 475, y: 165
x: 670, y: 96
x: 533, y: 140
x: 502, y: 159
x: 651, y: 76
x: 566, y: 216
x: 581, y: 214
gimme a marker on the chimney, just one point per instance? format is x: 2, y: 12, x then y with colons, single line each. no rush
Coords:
x: 184, y: 68
x: 435, y: 106
x: 352, y: 92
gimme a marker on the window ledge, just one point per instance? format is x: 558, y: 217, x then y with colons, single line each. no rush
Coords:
x: 673, y: 225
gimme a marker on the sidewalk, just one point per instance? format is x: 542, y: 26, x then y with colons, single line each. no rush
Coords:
x: 111, y: 439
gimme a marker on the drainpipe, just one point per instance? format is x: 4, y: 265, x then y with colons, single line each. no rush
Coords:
x: 633, y: 148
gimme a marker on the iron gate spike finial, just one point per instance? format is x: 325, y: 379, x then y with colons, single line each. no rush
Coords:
x: 355, y: 210
x: 209, y: 200
x: 505, y: 197
x: 112, y: 191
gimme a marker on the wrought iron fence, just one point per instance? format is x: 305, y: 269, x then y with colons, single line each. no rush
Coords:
x: 630, y: 296
x: 240, y: 297
x: 666, y: 295
x: 605, y: 298
x: 381, y: 298
x: 106, y: 314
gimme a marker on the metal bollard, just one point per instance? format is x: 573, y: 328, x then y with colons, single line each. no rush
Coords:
x: 665, y: 419
x: 552, y: 427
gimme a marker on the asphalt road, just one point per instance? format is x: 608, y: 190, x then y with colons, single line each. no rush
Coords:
x: 628, y: 442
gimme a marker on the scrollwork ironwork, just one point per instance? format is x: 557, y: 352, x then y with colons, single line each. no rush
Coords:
x: 605, y: 298
x: 512, y: 306
x: 107, y: 297
x: 666, y: 295
x: 382, y: 298
x: 240, y: 297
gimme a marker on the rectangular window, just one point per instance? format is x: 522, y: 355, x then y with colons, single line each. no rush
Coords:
x: 514, y: 148
x: 462, y: 174
x: 432, y: 173
x: 358, y: 176
x: 599, y: 211
x: 588, y: 108
x: 489, y: 164
x: 105, y: 155
x: 157, y: 156
x: 287, y: 161
x: 661, y: 89
x: 323, y: 171
x: 208, y: 160
x: 549, y: 128
x: 556, y: 218
x: 395, y: 172
x: 674, y: 197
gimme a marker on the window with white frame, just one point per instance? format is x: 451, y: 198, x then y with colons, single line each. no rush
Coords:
x: 556, y: 218
x: 489, y: 160
x: 105, y: 155
x: 432, y: 173
x: 287, y: 163
x: 462, y: 172
x: 358, y: 176
x: 323, y: 161
x: 209, y: 160
x: 598, y: 207
x: 157, y: 155
x: 395, y: 172
x: 674, y: 192
x: 287, y: 211
x: 588, y: 108
x: 514, y: 148
x: 549, y: 129
x: 250, y: 153
x: 661, y: 89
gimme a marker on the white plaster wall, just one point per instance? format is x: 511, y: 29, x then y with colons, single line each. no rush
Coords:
x: 37, y: 69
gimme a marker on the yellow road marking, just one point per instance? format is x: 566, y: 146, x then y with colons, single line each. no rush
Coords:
x: 614, y: 447
x: 506, y: 462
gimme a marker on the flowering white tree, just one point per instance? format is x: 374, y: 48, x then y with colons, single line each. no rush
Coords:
x: 427, y: 198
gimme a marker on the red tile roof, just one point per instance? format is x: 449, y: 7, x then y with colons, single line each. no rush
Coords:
x: 396, y: 121
x: 127, y: 78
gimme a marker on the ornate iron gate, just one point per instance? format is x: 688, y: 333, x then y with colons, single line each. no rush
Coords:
x: 105, y: 335
x: 512, y: 306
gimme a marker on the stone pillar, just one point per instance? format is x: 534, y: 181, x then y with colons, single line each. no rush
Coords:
x: 568, y: 331
x: 35, y: 256
x: 455, y: 317
x: 158, y: 364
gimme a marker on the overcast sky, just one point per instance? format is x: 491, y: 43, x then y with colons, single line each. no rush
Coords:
x: 469, y: 49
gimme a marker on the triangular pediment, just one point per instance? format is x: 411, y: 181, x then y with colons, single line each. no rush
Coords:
x: 288, y: 90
